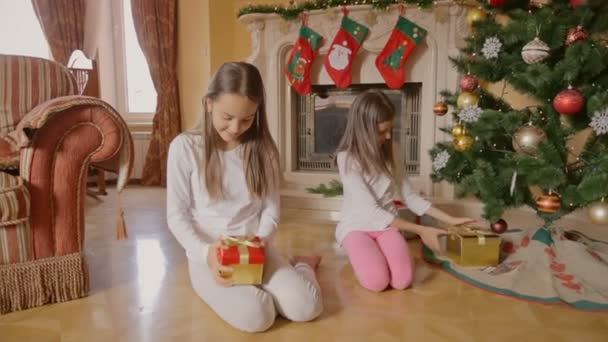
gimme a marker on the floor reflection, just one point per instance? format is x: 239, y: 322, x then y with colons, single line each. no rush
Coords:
x: 151, y: 269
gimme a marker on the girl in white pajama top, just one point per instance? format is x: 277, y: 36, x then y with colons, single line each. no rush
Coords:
x: 223, y: 179
x: 369, y: 227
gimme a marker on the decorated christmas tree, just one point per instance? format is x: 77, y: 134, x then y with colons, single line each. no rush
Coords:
x: 551, y: 155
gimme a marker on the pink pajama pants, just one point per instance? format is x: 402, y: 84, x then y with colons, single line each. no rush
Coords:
x: 379, y: 259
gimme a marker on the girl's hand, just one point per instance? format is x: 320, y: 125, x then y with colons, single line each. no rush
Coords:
x: 217, y: 269
x: 455, y: 221
x: 430, y: 237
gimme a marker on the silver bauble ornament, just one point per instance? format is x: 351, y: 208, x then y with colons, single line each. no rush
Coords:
x: 535, y: 51
x: 527, y: 139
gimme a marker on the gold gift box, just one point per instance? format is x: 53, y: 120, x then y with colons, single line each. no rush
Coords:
x: 245, y: 255
x: 246, y: 274
x: 470, y: 246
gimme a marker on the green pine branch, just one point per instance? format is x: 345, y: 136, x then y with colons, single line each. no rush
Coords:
x: 333, y: 189
x: 294, y: 11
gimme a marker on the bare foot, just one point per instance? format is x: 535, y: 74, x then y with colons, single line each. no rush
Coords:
x: 311, y: 260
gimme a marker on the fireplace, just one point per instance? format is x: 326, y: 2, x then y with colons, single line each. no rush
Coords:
x: 307, y: 129
x: 321, y: 119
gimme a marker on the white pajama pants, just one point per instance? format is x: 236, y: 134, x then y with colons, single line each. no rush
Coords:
x: 292, y: 292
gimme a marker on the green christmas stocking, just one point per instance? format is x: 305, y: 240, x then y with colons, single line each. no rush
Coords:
x: 346, y: 44
x: 301, y: 58
x: 391, y: 61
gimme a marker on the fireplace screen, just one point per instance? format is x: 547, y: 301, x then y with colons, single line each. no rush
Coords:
x: 321, y: 120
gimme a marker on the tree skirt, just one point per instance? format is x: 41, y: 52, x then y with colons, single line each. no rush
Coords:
x: 542, y: 266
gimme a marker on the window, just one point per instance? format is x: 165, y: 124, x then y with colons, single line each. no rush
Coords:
x: 138, y: 96
x: 20, y: 31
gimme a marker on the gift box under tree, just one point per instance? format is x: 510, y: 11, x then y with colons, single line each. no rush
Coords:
x: 469, y: 246
x: 245, y: 255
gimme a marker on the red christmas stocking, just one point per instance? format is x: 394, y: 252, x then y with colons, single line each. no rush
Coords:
x: 346, y: 44
x: 391, y: 61
x: 301, y: 58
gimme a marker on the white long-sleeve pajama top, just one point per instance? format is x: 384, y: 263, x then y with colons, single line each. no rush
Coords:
x: 194, y: 218
x: 368, y: 203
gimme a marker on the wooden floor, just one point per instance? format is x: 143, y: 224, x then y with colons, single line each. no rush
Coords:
x: 141, y: 292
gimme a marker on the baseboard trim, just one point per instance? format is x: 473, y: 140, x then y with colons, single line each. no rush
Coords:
x: 302, y: 205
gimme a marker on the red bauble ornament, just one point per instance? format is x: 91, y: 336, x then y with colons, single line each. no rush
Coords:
x: 440, y: 108
x: 468, y: 83
x: 569, y: 102
x: 575, y: 3
x: 576, y: 34
x: 499, y: 226
x: 497, y: 3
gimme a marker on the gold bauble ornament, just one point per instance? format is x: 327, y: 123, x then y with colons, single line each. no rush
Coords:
x: 598, y: 212
x: 458, y: 130
x: 441, y: 13
x: 549, y: 203
x: 467, y: 99
x: 332, y: 13
x: 284, y: 26
x: 476, y: 14
x: 527, y: 139
x: 371, y: 18
x: 463, y: 143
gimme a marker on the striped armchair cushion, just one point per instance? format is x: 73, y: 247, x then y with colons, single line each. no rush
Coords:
x: 16, y: 243
x: 9, y: 152
x: 26, y: 82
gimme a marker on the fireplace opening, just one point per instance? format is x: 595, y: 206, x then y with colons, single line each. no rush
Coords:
x: 321, y: 120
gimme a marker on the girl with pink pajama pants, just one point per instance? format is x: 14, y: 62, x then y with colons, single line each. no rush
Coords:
x: 369, y: 227
x: 380, y: 259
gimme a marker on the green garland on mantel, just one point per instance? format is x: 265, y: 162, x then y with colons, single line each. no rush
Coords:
x: 293, y: 11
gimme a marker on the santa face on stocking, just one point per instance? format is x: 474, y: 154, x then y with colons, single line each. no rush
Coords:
x: 348, y: 40
x: 339, y: 56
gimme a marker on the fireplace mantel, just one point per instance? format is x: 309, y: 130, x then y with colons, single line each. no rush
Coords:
x: 272, y: 39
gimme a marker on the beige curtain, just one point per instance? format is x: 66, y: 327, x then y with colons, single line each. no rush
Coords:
x: 62, y: 22
x: 156, y: 27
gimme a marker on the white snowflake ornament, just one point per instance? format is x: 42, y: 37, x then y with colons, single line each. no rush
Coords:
x: 599, y: 122
x: 491, y: 47
x: 441, y: 160
x: 470, y: 114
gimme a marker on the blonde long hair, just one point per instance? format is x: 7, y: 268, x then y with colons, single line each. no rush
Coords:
x: 360, y: 139
x: 259, y: 152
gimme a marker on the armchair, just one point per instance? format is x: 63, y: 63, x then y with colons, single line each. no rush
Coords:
x: 48, y: 137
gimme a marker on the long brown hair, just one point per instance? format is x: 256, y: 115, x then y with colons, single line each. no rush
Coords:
x: 259, y: 152
x: 360, y: 139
